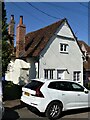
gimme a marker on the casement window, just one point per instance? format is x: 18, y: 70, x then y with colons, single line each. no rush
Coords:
x: 63, y: 47
x: 60, y: 74
x: 48, y: 73
x: 76, y: 75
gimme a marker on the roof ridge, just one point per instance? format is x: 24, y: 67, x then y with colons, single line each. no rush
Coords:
x: 47, y: 26
x: 34, y: 39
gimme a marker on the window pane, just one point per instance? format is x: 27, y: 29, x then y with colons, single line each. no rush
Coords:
x: 65, y: 86
x: 33, y: 85
x: 76, y: 87
x: 61, y: 47
x: 76, y: 76
x: 51, y: 74
x: 46, y: 74
x: 65, y: 46
x: 53, y: 85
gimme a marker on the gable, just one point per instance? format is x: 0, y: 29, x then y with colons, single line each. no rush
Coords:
x: 65, y: 31
x: 36, y: 41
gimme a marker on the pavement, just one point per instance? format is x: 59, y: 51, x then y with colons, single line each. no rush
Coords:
x: 12, y: 103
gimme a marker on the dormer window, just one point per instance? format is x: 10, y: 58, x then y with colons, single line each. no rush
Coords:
x: 63, y: 47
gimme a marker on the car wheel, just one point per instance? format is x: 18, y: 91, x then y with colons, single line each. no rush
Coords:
x: 54, y: 110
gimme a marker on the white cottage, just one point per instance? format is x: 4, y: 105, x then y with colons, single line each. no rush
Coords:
x: 53, y: 52
x: 18, y: 72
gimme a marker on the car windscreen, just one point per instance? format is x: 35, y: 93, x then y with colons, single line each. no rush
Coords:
x: 33, y: 85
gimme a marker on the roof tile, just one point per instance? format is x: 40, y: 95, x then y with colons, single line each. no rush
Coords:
x: 37, y: 40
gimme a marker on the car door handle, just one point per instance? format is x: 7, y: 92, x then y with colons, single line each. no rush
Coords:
x: 63, y: 94
x: 78, y: 94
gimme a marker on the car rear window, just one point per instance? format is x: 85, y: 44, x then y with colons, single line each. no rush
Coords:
x: 33, y: 85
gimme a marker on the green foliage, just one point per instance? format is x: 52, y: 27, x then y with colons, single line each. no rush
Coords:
x: 87, y: 85
x: 11, y: 91
x: 6, y: 49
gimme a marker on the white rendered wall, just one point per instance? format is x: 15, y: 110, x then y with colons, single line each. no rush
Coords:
x: 51, y: 58
x: 14, y: 72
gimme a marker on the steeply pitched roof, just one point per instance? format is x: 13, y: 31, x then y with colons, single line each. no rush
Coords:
x: 87, y: 62
x: 36, y: 41
x: 87, y: 47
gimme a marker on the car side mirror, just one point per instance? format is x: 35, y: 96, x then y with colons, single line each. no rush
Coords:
x: 86, y: 91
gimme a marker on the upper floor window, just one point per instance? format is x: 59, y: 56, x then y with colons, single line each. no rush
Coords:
x: 76, y: 75
x: 63, y: 47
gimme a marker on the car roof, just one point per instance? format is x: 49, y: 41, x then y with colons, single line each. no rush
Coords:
x: 52, y: 80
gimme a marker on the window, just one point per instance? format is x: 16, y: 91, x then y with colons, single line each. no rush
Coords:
x: 48, y: 73
x: 53, y: 85
x: 76, y: 76
x: 60, y: 74
x: 65, y: 86
x: 33, y: 85
x: 63, y: 47
x: 51, y: 74
x: 76, y: 87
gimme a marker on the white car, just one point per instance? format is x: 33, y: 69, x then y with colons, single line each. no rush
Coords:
x: 54, y: 96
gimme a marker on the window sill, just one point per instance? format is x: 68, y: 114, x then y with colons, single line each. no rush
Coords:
x: 64, y: 52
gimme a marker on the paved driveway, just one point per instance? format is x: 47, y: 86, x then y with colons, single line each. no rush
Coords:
x: 14, y: 111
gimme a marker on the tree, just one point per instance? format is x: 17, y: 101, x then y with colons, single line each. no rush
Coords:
x: 6, y: 48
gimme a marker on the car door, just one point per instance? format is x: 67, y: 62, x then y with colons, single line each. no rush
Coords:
x: 68, y: 96
x: 81, y: 97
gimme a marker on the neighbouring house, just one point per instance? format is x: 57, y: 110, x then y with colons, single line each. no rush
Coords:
x: 86, y: 50
x: 18, y: 69
x: 53, y: 52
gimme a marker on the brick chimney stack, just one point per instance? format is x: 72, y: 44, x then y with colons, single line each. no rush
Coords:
x: 11, y: 29
x: 20, y: 38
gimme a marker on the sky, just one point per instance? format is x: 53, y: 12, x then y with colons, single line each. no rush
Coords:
x: 37, y: 15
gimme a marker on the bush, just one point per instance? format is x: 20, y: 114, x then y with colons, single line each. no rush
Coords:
x: 11, y: 91
x: 87, y: 85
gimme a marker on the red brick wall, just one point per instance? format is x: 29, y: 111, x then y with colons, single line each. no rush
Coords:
x: 20, y: 38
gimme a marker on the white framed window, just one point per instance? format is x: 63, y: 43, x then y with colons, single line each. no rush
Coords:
x: 49, y: 73
x: 60, y: 74
x: 76, y: 76
x: 63, y: 47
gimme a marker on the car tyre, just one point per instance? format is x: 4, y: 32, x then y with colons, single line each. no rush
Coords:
x: 54, y: 110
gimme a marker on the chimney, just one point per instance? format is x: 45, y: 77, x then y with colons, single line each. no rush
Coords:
x: 11, y: 30
x: 20, y: 38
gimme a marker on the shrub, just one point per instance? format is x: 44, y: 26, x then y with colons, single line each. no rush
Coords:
x: 11, y: 91
x: 87, y: 85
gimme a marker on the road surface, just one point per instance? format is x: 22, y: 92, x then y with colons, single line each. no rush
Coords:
x: 15, y: 111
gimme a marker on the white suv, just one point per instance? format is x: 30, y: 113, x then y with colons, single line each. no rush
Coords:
x: 54, y: 96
